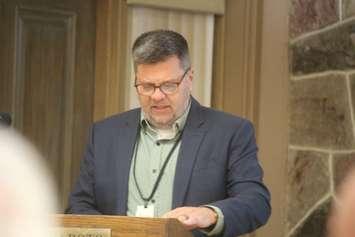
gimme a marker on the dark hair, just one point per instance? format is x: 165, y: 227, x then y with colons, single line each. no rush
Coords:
x: 158, y: 45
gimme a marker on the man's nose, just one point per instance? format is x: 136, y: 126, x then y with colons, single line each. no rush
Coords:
x: 157, y: 94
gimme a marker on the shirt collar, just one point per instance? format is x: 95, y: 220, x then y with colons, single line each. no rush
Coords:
x: 165, y: 134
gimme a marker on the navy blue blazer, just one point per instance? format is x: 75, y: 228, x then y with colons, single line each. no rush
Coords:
x: 217, y: 165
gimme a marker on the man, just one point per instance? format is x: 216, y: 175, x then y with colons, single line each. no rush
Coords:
x: 342, y: 222
x: 173, y: 157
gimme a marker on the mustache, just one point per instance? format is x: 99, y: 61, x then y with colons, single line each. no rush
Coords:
x: 159, y: 105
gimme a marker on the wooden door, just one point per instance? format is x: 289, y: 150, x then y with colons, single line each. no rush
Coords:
x: 47, y: 77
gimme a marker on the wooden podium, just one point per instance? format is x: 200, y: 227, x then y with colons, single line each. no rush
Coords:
x: 119, y: 226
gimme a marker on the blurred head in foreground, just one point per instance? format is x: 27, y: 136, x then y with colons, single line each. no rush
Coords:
x: 342, y: 220
x: 27, y: 199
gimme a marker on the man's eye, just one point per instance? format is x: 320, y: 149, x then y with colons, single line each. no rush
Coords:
x: 146, y: 87
x: 168, y: 86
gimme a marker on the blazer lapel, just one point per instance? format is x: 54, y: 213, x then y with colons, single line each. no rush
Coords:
x: 126, y: 141
x: 191, y: 141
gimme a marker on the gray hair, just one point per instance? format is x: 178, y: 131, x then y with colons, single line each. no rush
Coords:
x: 159, y: 45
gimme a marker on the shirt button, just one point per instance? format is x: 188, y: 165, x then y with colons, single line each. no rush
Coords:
x: 158, y: 143
x: 153, y: 201
x: 154, y: 171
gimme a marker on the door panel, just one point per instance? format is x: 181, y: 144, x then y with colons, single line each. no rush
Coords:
x: 47, y: 61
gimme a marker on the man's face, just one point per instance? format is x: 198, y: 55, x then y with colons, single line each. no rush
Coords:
x: 163, y: 109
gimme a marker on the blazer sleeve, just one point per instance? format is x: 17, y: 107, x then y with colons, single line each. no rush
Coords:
x: 248, y: 204
x: 82, y: 198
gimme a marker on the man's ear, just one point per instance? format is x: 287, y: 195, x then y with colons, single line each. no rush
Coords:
x: 191, y: 74
x: 190, y: 77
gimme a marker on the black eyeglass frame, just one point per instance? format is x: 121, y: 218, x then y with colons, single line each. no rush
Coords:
x: 160, y: 86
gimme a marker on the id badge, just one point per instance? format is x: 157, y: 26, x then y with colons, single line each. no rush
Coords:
x: 145, y: 211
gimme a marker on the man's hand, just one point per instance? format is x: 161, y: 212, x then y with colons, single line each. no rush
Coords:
x: 193, y: 217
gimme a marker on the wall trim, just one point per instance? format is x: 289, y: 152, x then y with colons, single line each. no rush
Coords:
x: 208, y: 6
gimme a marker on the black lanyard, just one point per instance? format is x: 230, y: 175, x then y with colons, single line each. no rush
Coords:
x: 156, y: 184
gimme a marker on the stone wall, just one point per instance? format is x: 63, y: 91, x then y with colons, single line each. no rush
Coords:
x: 321, y: 108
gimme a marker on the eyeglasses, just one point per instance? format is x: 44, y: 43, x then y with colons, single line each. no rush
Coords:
x: 167, y: 88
